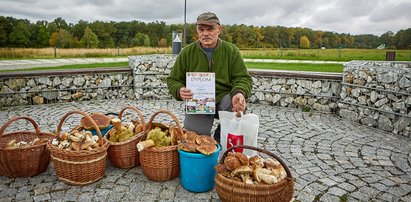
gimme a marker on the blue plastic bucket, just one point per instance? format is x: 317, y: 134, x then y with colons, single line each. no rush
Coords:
x: 197, y: 170
x: 103, y: 131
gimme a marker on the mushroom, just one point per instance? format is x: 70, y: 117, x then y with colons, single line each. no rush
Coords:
x: 189, y: 136
x: 223, y: 170
x: 207, y: 148
x: 265, y: 175
x: 243, y: 158
x: 11, y: 144
x: 256, y: 162
x: 176, y: 136
x: 232, y: 162
x: 188, y: 147
x: 205, y: 138
x: 243, y: 172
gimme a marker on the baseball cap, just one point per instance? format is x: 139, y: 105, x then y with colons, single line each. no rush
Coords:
x: 207, y: 18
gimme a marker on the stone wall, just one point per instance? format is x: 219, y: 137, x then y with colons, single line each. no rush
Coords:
x: 42, y: 87
x: 378, y: 94
x: 319, y: 91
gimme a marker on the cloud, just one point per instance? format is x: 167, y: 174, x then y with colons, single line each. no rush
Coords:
x: 343, y: 16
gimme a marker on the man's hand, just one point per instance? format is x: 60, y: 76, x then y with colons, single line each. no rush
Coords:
x: 185, y: 93
x: 238, y: 102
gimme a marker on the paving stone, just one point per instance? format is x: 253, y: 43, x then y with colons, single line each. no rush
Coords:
x: 336, y: 191
x: 328, y: 156
x: 44, y: 197
x: 347, y: 186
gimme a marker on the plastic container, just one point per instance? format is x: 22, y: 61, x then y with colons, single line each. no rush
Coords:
x: 197, y: 170
x: 103, y: 131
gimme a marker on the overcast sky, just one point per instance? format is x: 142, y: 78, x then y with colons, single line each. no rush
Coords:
x: 342, y: 16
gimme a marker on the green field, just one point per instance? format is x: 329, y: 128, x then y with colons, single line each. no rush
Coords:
x: 325, y: 54
x: 254, y: 65
x: 344, y: 55
x: 338, y: 68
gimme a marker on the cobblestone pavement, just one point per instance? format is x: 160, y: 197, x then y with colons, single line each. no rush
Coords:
x: 332, y: 159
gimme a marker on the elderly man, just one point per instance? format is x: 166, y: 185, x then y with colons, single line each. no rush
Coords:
x: 211, y: 54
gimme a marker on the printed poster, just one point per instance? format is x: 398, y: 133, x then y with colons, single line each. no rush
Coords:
x: 202, y: 85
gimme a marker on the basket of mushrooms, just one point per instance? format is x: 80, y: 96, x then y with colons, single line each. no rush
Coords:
x: 242, y: 178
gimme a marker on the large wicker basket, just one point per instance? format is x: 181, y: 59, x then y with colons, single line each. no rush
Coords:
x: 27, y: 161
x: 79, y: 167
x: 160, y: 163
x: 231, y: 190
x: 125, y: 154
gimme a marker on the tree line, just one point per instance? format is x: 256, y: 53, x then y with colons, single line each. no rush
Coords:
x: 98, y: 34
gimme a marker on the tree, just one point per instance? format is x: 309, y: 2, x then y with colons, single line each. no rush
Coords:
x: 140, y: 40
x: 53, y: 39
x: 40, y: 36
x: 89, y: 39
x: 162, y: 42
x: 20, y: 34
x: 3, y: 31
x: 304, y: 42
x: 64, y: 38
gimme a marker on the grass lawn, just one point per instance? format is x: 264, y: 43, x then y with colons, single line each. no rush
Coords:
x: 255, y: 65
x: 75, y: 66
x: 338, y: 68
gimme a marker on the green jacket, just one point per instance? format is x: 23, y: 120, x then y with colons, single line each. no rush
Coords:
x: 231, y: 75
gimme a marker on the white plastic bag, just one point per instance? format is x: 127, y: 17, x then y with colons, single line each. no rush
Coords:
x: 238, y: 131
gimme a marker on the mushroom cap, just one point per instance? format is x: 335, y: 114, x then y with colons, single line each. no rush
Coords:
x: 76, y: 146
x: 232, y: 162
x: 207, y: 148
x: 188, y: 147
x: 205, y: 138
x: 189, y: 136
x: 272, y: 164
x: 256, y: 161
x: 101, y: 120
x: 175, y: 135
x: 242, y: 170
x: 222, y: 169
x: 243, y: 158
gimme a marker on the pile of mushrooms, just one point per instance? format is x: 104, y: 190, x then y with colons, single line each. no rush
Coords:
x: 13, y: 144
x: 76, y: 141
x: 254, y: 170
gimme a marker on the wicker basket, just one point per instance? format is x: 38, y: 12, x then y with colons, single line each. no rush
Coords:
x: 231, y: 190
x: 125, y: 154
x: 160, y: 163
x: 79, y: 167
x: 23, y: 162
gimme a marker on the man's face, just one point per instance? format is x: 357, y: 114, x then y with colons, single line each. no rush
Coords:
x: 208, y: 35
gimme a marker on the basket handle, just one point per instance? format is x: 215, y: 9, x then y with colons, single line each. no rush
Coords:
x: 138, y: 112
x: 7, y: 124
x: 100, y: 137
x: 287, y: 170
x: 150, y: 123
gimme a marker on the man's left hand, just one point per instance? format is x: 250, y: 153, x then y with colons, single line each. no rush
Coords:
x: 238, y: 102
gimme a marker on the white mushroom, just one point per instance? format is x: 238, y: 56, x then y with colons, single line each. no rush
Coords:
x: 244, y: 172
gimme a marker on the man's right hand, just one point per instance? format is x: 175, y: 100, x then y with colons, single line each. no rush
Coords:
x: 185, y: 93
